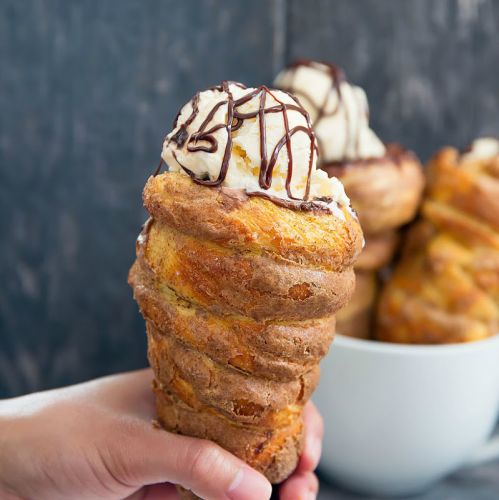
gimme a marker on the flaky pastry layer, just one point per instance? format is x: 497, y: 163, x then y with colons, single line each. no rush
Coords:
x: 239, y: 296
x: 385, y: 191
x: 281, y: 350
x: 355, y: 319
x: 446, y: 287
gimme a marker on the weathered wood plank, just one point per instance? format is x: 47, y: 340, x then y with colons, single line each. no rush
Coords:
x: 430, y: 67
x: 87, y: 91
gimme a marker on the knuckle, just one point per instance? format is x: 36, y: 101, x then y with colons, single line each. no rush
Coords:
x: 314, y: 483
x: 205, y: 462
x: 315, y: 421
x: 320, y: 425
x: 118, y: 454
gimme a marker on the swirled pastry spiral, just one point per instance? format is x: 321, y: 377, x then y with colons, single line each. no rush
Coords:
x: 239, y: 288
x: 384, y: 182
x: 445, y: 289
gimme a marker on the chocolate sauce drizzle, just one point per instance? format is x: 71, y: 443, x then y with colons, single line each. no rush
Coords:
x: 203, y: 138
x: 337, y: 77
x: 395, y: 154
x: 295, y: 204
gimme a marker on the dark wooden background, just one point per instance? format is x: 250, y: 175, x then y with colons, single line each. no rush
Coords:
x: 89, y: 88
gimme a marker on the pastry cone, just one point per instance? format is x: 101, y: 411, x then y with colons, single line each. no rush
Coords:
x: 384, y: 191
x: 355, y: 318
x: 246, y: 257
x: 239, y: 296
x: 378, y: 251
x: 384, y: 182
x: 446, y: 287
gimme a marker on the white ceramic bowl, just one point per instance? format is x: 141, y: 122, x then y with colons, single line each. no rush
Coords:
x: 400, y: 417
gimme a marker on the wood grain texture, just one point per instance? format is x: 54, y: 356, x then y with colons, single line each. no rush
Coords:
x: 429, y: 67
x: 87, y: 91
x: 479, y: 483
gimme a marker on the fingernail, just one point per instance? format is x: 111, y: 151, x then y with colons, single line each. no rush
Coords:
x: 311, y: 495
x: 315, y: 450
x: 249, y: 484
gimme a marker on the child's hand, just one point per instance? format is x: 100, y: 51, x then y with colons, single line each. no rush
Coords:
x: 95, y: 441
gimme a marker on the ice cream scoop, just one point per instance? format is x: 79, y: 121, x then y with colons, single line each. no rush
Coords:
x: 482, y: 149
x: 339, y: 110
x: 256, y: 139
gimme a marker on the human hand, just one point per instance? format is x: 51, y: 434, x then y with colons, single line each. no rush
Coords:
x: 95, y: 440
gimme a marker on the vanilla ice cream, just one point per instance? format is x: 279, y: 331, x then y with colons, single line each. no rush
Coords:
x: 339, y: 111
x: 483, y: 148
x: 267, y: 147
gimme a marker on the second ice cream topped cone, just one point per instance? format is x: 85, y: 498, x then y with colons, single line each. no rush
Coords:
x: 383, y: 181
x: 245, y: 259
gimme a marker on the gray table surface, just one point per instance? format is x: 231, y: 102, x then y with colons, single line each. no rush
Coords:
x: 478, y: 483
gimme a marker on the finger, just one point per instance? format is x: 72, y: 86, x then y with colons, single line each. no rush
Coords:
x: 145, y: 455
x: 127, y: 393
x: 302, y: 485
x: 156, y: 492
x: 314, y: 432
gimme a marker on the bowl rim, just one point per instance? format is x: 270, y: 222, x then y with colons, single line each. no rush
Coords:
x: 380, y: 347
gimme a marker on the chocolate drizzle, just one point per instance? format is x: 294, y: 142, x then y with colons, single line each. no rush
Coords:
x: 203, y: 138
x: 158, y: 168
x: 395, y: 155
x: 319, y: 205
x: 316, y: 205
x: 337, y: 77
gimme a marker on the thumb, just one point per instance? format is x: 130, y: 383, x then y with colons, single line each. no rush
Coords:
x: 164, y: 491
x: 147, y: 455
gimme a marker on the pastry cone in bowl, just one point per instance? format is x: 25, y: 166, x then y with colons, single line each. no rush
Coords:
x: 445, y: 289
x: 384, y: 182
x: 385, y: 191
x: 378, y: 251
x: 246, y: 257
x: 355, y: 319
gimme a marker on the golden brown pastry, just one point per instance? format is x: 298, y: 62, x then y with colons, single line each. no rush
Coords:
x: 239, y: 285
x: 384, y: 191
x: 378, y: 251
x: 446, y: 287
x: 384, y: 182
x: 356, y: 317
